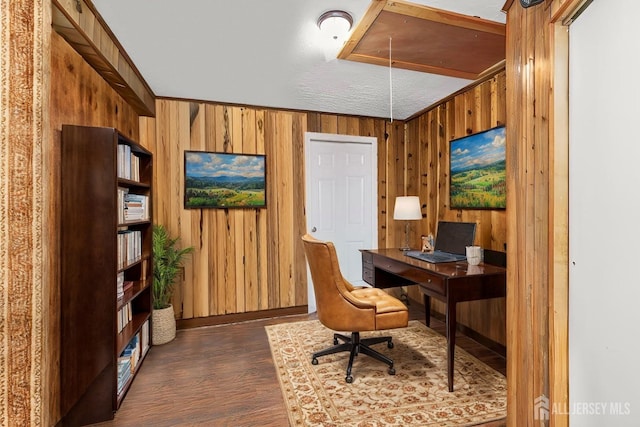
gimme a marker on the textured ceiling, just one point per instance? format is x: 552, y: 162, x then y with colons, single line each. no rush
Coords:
x: 271, y: 54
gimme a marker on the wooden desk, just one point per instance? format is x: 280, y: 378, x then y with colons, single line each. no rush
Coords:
x: 450, y: 282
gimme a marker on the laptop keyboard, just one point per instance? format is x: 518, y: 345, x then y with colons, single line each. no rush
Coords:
x: 432, y: 257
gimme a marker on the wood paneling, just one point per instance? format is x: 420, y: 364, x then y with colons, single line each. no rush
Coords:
x: 245, y: 259
x: 83, y: 27
x: 80, y: 96
x: 537, y: 217
x: 250, y: 260
x: 426, y: 166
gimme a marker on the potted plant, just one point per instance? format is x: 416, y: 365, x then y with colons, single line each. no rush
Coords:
x: 167, y: 260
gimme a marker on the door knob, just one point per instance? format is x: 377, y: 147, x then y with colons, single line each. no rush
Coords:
x: 313, y: 230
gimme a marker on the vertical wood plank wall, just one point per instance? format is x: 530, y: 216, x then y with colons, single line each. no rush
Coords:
x: 537, y: 185
x: 245, y: 259
x: 427, y: 169
x: 250, y: 260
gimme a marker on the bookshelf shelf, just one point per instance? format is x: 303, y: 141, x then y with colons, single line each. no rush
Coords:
x: 106, y: 270
x: 131, y: 223
x: 130, y: 294
x: 127, y: 182
x: 129, y: 331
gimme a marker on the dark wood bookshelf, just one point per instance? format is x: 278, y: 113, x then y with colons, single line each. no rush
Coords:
x: 97, y: 325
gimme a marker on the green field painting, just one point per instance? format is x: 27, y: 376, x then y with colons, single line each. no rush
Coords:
x: 478, y: 171
x: 224, y: 180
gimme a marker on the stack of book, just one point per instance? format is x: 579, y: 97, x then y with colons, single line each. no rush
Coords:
x: 144, y: 337
x: 136, y: 207
x: 120, y: 285
x: 132, y: 206
x: 128, y: 360
x: 128, y: 163
x: 124, y: 372
x: 129, y: 247
x: 125, y: 314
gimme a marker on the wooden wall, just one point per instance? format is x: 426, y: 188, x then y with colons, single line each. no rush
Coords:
x: 245, y: 260
x: 252, y: 260
x: 537, y: 219
x: 427, y: 168
x: 80, y: 96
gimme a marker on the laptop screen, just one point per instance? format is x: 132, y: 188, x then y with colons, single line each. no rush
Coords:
x: 454, y: 237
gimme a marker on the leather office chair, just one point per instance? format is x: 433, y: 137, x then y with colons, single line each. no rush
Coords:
x: 343, y: 307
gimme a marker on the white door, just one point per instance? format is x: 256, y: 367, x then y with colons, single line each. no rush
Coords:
x: 341, y: 198
x: 604, y: 200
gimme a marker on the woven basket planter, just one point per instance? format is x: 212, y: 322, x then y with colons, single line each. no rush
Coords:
x: 163, y: 325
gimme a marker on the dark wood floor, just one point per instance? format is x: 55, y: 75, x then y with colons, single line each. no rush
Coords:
x: 224, y: 376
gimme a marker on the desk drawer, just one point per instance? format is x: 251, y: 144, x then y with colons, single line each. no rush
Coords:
x: 368, y: 271
x: 424, y: 278
x: 433, y: 283
x: 368, y: 275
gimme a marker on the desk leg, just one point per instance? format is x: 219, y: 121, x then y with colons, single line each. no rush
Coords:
x: 451, y: 340
x: 427, y: 310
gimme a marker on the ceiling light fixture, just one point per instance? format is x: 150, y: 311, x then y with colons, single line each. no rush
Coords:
x: 335, y: 23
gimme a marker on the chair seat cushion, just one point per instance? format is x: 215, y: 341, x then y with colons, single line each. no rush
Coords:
x: 384, y: 302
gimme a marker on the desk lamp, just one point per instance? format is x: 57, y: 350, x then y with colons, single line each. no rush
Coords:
x: 407, y: 208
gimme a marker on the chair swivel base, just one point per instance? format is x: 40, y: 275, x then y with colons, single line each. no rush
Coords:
x: 354, y: 345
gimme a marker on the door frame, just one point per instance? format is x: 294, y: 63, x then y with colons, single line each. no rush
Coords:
x: 310, y: 137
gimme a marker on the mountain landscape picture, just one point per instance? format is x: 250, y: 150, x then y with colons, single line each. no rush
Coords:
x: 478, y: 171
x: 224, y: 180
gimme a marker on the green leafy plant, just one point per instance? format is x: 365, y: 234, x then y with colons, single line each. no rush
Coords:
x: 167, y: 260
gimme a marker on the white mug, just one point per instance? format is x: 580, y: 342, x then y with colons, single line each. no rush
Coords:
x: 474, y: 255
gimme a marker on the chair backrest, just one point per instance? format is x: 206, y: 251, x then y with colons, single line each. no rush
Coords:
x: 335, y: 310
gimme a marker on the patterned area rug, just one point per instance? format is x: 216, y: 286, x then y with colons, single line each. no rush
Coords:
x: 416, y: 396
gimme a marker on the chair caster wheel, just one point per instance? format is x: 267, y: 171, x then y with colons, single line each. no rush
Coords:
x: 314, y: 361
x: 349, y: 379
x: 391, y: 371
x: 390, y: 344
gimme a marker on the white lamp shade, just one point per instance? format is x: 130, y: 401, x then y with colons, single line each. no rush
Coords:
x: 407, y: 207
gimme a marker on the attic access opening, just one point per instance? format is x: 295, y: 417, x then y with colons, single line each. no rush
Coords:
x: 427, y: 40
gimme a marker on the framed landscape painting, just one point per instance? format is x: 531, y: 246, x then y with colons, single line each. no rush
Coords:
x: 478, y: 176
x: 224, y: 180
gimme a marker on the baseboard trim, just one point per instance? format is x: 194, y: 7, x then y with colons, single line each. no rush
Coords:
x: 224, y: 319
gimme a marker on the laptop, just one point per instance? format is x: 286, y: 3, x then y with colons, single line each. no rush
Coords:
x: 452, y: 240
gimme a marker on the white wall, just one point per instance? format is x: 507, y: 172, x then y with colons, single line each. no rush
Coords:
x: 604, y: 218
